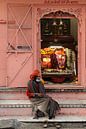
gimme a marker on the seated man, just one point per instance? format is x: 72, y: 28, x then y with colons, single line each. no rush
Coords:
x: 37, y: 95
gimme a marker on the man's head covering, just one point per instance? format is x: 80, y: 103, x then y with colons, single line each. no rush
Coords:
x: 36, y: 72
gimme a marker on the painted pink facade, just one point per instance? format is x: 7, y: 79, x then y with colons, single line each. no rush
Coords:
x: 20, y: 26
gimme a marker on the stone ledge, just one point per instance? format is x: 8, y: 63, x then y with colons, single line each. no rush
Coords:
x: 62, y: 118
x: 49, y: 88
x: 30, y: 106
x: 27, y: 104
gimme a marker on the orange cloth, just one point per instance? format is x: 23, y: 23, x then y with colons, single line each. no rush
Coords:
x: 36, y: 72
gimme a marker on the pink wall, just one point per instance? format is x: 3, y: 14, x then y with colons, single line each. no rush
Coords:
x: 16, y: 65
x: 3, y: 37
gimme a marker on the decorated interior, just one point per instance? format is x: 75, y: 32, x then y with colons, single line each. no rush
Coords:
x: 59, y: 50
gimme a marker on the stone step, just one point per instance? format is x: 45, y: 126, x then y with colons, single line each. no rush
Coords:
x: 16, y: 103
x: 75, y: 103
x: 24, y: 107
x: 49, y: 88
x: 40, y: 124
x: 54, y: 95
x: 71, y: 119
x: 28, y: 111
x: 55, y: 92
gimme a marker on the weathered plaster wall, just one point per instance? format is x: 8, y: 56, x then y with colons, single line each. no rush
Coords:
x: 16, y: 67
x: 3, y: 40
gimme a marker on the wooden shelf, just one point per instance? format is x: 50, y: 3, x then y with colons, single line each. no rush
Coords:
x: 57, y: 73
x: 17, y: 27
x: 18, y: 51
x: 60, y: 38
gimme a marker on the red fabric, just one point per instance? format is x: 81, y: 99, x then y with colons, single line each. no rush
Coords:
x: 30, y: 95
x: 36, y: 72
x: 27, y: 92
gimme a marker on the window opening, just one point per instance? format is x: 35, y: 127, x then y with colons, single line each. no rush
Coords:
x: 59, y: 50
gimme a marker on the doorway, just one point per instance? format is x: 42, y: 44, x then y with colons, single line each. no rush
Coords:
x: 59, y: 51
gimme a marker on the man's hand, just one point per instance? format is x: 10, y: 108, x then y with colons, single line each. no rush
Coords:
x: 39, y: 94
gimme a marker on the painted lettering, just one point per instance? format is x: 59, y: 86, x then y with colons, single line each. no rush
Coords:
x: 61, y: 1
x: 74, y: 2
